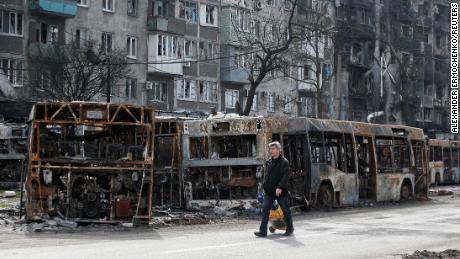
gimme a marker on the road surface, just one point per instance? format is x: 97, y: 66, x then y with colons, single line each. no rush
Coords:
x: 378, y: 232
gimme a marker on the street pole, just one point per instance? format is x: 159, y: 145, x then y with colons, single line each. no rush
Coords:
x: 109, y: 81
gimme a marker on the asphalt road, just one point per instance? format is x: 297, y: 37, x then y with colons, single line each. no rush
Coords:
x: 377, y: 232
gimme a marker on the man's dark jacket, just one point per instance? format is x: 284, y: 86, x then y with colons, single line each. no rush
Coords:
x: 276, y: 176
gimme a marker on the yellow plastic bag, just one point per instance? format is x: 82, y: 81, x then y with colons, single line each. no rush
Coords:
x: 276, y: 214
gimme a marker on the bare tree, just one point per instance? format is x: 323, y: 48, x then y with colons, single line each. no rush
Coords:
x: 319, y: 37
x: 72, y: 72
x: 264, y: 44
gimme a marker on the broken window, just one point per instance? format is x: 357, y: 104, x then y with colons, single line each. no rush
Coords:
x: 132, y: 7
x: 160, y: 8
x: 401, y: 153
x: 198, y: 148
x: 13, y: 70
x: 208, y: 91
x: 159, y: 91
x: 418, y: 153
x: 334, y: 149
x: 47, y: 33
x: 170, y: 46
x: 288, y: 104
x: 231, y: 97
x: 186, y: 90
x: 233, y: 146
x: 384, y: 155
x: 188, y: 10
x: 455, y: 157
x: 446, y: 156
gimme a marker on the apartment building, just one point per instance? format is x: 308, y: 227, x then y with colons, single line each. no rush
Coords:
x: 184, y: 55
x: 117, y: 26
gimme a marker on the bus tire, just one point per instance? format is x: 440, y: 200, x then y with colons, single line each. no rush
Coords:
x: 325, y: 196
x: 406, y: 191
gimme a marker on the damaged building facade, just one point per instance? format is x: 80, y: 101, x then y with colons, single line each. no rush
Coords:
x: 187, y: 56
x: 386, y: 52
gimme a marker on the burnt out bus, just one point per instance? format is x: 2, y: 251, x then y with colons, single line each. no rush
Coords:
x: 223, y: 160
x: 90, y: 162
x: 333, y: 163
x: 337, y: 163
x: 444, y: 161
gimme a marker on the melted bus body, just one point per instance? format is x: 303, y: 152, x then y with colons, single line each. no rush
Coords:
x: 444, y: 161
x: 333, y: 163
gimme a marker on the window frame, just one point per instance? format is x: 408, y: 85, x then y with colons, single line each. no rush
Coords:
x: 104, y: 42
x: 162, y: 86
x: 13, y: 74
x: 271, y: 102
x: 129, y: 93
x: 187, y: 15
x: 79, y: 3
x: 235, y: 96
x: 18, y: 30
x: 208, y: 91
x: 131, y: 47
x: 134, y: 13
x: 104, y: 7
x: 183, y: 90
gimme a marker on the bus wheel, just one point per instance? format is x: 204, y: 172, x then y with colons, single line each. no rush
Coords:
x: 325, y: 196
x: 406, y: 191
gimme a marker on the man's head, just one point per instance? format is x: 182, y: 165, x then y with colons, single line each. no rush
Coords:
x: 275, y: 149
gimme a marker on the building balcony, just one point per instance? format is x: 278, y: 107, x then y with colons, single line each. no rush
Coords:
x: 157, y: 23
x: 234, y: 75
x: 59, y: 8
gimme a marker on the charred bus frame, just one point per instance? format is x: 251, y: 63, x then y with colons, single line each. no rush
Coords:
x: 349, y: 162
x: 444, y: 161
x: 333, y: 163
x: 90, y: 161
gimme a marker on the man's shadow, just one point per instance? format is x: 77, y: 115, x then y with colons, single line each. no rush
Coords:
x: 289, y: 241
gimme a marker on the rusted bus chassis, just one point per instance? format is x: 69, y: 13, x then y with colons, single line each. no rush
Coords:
x: 333, y: 163
x: 168, y: 188
x: 444, y: 161
x: 90, y: 162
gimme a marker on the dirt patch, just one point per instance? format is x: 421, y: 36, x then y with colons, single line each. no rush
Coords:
x: 449, y: 253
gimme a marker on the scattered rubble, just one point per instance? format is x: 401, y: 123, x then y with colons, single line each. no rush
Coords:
x: 9, y: 194
x: 449, y: 253
x: 440, y: 192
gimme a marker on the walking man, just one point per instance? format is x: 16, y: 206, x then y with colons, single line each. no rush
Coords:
x: 275, y: 186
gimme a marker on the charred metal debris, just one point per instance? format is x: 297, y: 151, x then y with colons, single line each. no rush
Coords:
x: 90, y: 162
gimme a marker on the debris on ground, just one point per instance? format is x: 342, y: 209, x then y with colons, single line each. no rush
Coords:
x: 9, y: 194
x: 440, y: 192
x: 449, y: 253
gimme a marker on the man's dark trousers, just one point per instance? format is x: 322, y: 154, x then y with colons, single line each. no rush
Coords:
x: 283, y: 201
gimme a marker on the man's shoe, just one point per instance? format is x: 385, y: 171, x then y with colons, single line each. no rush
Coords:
x: 288, y: 233
x: 260, y: 234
